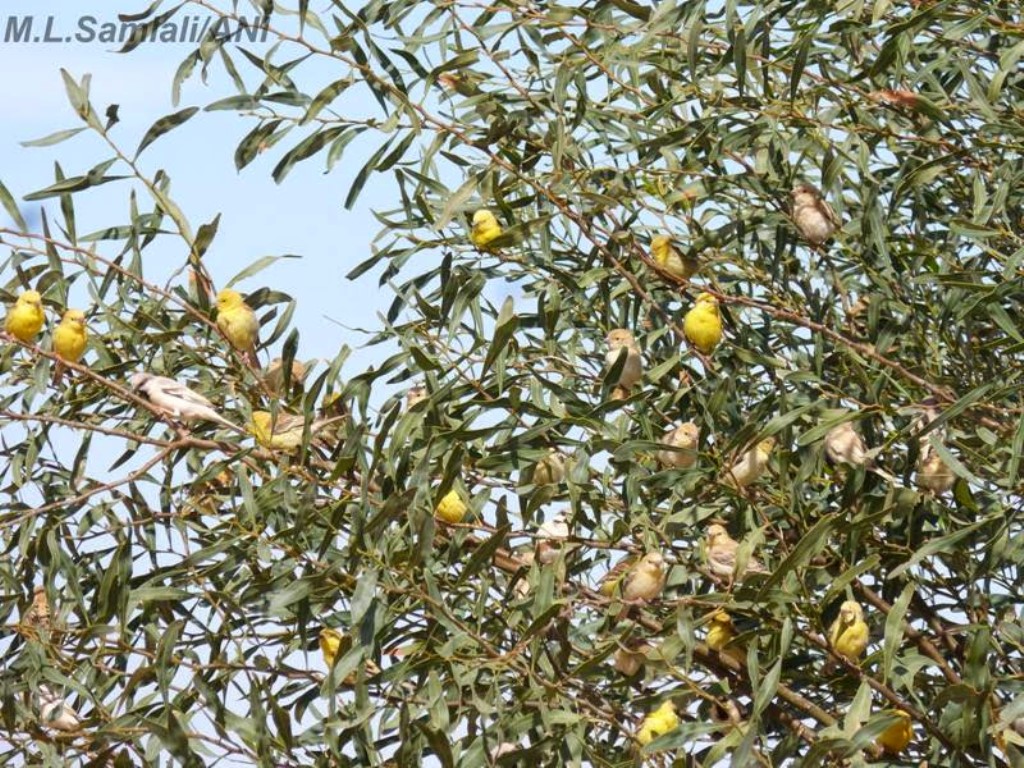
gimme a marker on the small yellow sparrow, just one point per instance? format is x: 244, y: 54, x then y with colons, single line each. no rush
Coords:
x: 849, y: 633
x: 238, y: 323
x: 285, y: 432
x: 618, y: 340
x: 25, y: 319
x: 897, y: 737
x: 666, y: 256
x: 721, y: 555
x: 69, y: 338
x: 451, y: 508
x: 703, y: 324
x: 814, y: 217
x: 334, y: 644
x: 657, y: 723
x: 680, y: 444
x: 646, y: 579
x: 485, y: 229
x: 751, y: 465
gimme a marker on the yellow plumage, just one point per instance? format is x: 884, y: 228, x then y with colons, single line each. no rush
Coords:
x: 25, y: 319
x: 285, y: 432
x: 703, y: 324
x: 657, y: 723
x: 238, y: 323
x: 897, y: 736
x: 751, y: 465
x: 334, y: 644
x: 668, y: 258
x: 485, y: 229
x: 849, y: 634
x: 69, y: 339
x: 451, y: 508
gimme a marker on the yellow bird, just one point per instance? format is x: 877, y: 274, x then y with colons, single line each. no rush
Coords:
x: 703, y: 324
x: 897, y: 736
x: 333, y: 644
x: 646, y: 579
x: 485, y: 229
x: 285, y: 432
x: 680, y: 446
x: 721, y: 555
x: 238, y: 323
x: 849, y: 633
x: 620, y: 339
x: 657, y: 723
x: 751, y: 465
x: 25, y: 319
x: 451, y: 508
x: 69, y: 338
x: 721, y: 632
x: 666, y: 256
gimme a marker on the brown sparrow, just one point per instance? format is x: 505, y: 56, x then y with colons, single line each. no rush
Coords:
x: 813, y: 216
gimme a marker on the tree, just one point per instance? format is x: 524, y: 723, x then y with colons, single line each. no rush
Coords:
x: 188, y: 587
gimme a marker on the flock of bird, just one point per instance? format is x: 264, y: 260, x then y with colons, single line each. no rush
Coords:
x: 642, y: 578
x: 635, y: 580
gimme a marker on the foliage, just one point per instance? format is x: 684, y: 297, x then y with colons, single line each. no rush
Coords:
x: 190, y: 574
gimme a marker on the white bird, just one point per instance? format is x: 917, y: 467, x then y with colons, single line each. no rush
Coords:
x: 54, y: 711
x: 550, y: 537
x: 177, y: 400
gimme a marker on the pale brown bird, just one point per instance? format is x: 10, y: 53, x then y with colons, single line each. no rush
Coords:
x: 55, y: 713
x: 630, y: 658
x: 680, y: 449
x: 274, y: 376
x: 621, y: 342
x: 38, y: 614
x: 813, y: 216
x: 550, y: 470
x: 933, y: 474
x: 844, y: 445
x: 415, y: 394
x: 721, y: 552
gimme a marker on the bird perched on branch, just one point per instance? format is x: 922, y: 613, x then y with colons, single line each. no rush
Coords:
x: 69, y: 340
x: 238, y: 323
x: 813, y: 216
x: 668, y: 258
x: 551, y: 537
x: 25, y: 318
x: 451, y: 508
x: 751, y: 465
x: 658, y: 723
x: 849, y: 633
x: 721, y: 551
x: 932, y: 472
x: 485, y: 229
x: 680, y: 446
x: 284, y: 433
x: 334, y: 645
x: 721, y: 632
x: 37, y: 618
x: 897, y: 737
x: 550, y: 470
x: 635, y: 580
x: 54, y: 711
x: 844, y: 445
x: 177, y: 400
x: 621, y: 343
x: 702, y: 325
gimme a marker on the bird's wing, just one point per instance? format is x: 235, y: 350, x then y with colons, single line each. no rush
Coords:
x: 176, y: 389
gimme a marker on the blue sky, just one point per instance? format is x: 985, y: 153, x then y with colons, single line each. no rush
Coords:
x: 304, y: 215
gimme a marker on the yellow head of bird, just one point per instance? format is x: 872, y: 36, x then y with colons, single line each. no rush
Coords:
x: 31, y: 298
x: 767, y: 445
x: 721, y: 616
x: 483, y: 218
x: 707, y: 301
x: 227, y: 298
x: 715, y: 532
x: 654, y: 560
x: 850, y: 612
x: 74, y: 317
